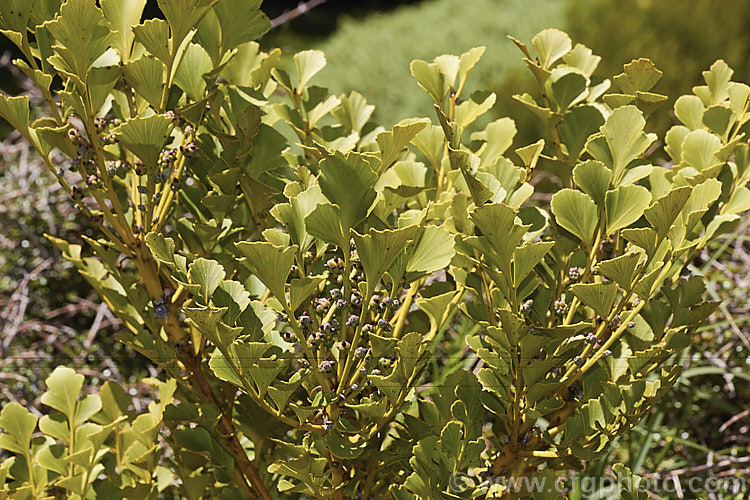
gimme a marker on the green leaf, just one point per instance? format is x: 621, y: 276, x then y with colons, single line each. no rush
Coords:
x: 189, y: 75
x: 153, y: 34
x: 566, y: 87
x: 594, y: 178
x: 644, y: 237
x: 16, y: 111
x: 391, y: 143
x: 353, y: 112
x: 528, y: 101
x: 624, y: 134
x: 347, y: 180
x: 82, y: 35
x: 497, y: 224
x: 525, y: 258
x: 146, y: 75
x: 430, y: 142
x: 466, y: 63
x: 625, y: 205
x: 162, y: 248
x: 378, y: 249
x: 721, y: 224
x: 699, y: 149
x: 636, y: 173
x: 577, y: 126
x: 18, y: 425
x: 430, y: 78
x: 345, y: 447
x: 324, y: 222
x: 14, y: 15
x: 264, y: 372
x: 308, y: 64
x: 374, y: 410
x: 271, y: 264
x: 232, y: 295
x: 468, y: 111
x: 55, y: 426
x: 145, y: 136
x: 208, y: 274
x: 673, y: 140
x: 576, y: 212
x: 739, y: 203
x: 241, y: 21
x: 689, y: 110
x: 436, y: 308
x: 665, y: 210
x: 207, y: 320
x: 433, y: 252
x: 122, y: 15
x: 582, y: 58
x: 719, y: 118
x: 551, y: 44
x: 88, y: 406
x: 717, y: 81
x: 101, y: 81
x: 460, y: 161
x: 498, y: 137
x: 598, y: 296
x: 184, y: 15
x: 451, y: 439
x: 622, y: 270
x: 63, y: 387
x: 301, y: 289
x: 640, y: 75
x: 530, y: 154
x: 292, y: 215
x: 410, y: 349
x: 115, y: 401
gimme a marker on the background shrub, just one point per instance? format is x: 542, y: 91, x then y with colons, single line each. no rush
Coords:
x: 372, y: 55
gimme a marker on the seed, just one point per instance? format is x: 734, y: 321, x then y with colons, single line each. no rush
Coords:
x: 326, y: 366
x: 160, y: 310
x: 343, y: 345
x: 574, y: 273
x: 561, y: 307
x: 360, y: 352
x: 304, y: 319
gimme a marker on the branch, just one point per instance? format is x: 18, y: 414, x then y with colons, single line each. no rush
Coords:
x: 302, y: 8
